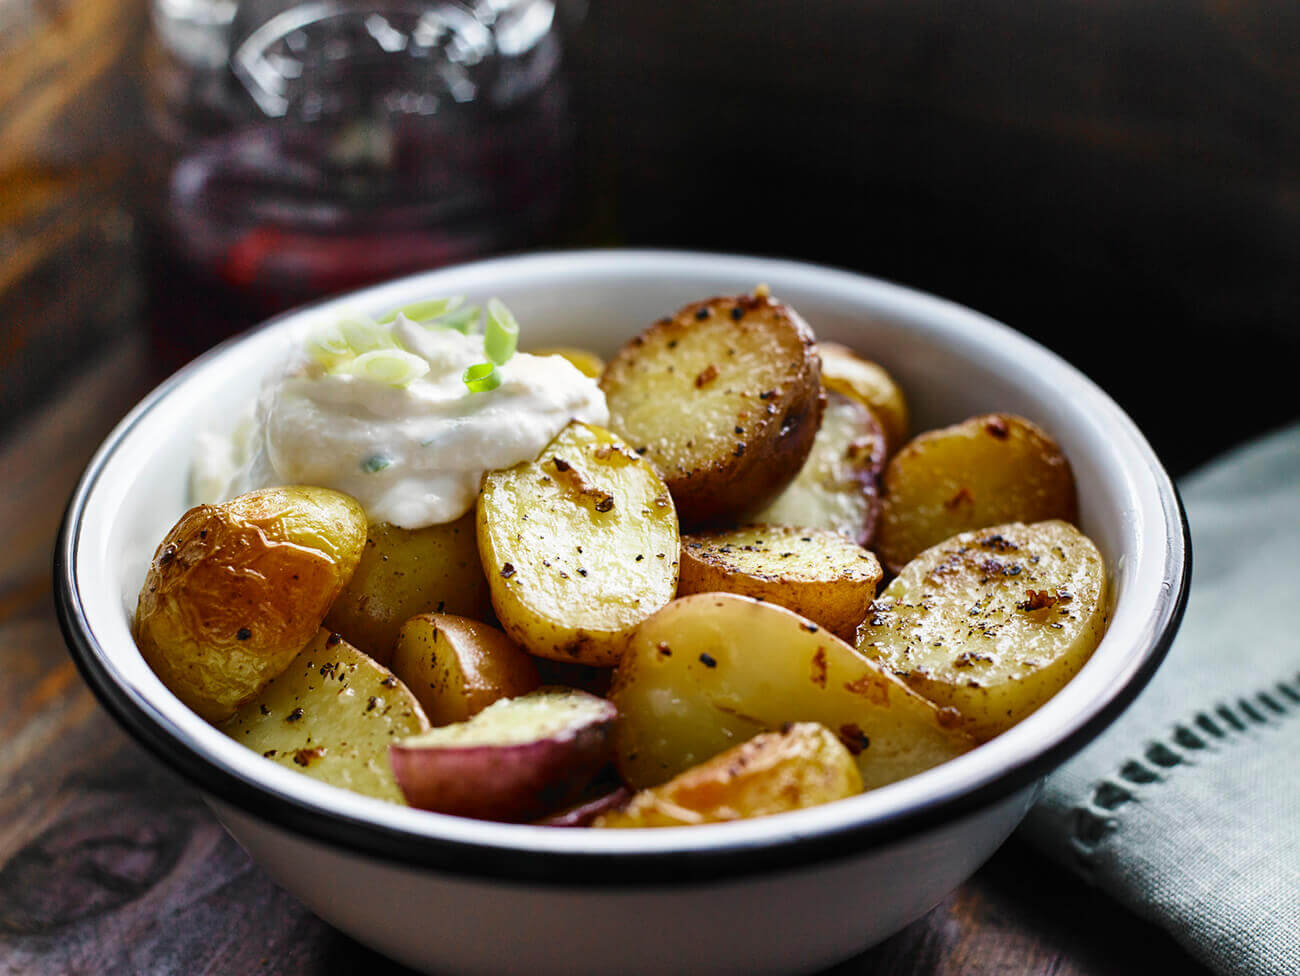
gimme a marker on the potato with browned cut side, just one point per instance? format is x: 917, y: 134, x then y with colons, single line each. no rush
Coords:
x: 984, y: 471
x: 814, y: 572
x: 714, y: 669
x: 236, y: 590
x: 332, y: 715
x: 724, y: 398
x: 457, y: 667
x: 408, y: 571
x: 993, y: 622
x: 838, y: 487
x: 579, y: 546
x: 801, y: 766
x: 847, y: 373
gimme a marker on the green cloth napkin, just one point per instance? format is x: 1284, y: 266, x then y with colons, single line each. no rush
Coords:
x: 1187, y: 809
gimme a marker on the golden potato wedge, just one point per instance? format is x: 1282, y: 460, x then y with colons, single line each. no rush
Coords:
x: 332, y: 715
x: 801, y: 766
x: 578, y: 546
x: 236, y: 590
x: 457, y: 667
x: 714, y: 669
x: 588, y: 363
x: 408, y: 571
x: 984, y: 471
x: 724, y: 398
x: 845, y: 372
x: 992, y: 622
x: 838, y: 487
x: 814, y: 572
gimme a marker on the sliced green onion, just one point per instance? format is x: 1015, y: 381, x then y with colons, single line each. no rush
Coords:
x: 461, y: 320
x: 364, y: 335
x: 376, y: 463
x: 327, y: 346
x: 482, y: 377
x: 424, y: 311
x: 502, y: 333
x: 392, y: 367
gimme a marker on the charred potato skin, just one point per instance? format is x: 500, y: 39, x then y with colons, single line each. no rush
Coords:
x: 404, y: 572
x: 236, y: 590
x: 816, y: 573
x: 802, y: 765
x: 769, y: 438
x: 984, y: 471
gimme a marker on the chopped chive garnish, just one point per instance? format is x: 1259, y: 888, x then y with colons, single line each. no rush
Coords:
x: 375, y: 463
x: 392, y: 367
x: 502, y: 333
x: 327, y: 346
x: 462, y: 319
x: 424, y: 311
x: 364, y: 335
x: 482, y: 377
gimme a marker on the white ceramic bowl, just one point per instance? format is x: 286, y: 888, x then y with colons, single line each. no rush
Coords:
x: 783, y: 894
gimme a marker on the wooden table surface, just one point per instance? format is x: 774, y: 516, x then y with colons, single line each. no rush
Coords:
x: 111, y: 864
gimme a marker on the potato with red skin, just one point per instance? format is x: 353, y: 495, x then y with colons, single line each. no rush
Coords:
x: 869, y: 383
x: 518, y: 759
x: 457, y: 667
x: 984, y: 471
x: 724, y: 398
x: 236, y: 590
x: 803, y: 765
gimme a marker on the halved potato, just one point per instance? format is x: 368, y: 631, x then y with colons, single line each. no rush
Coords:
x: 801, y: 766
x: 724, y: 398
x: 518, y: 759
x: 236, y: 590
x: 838, y: 487
x: 993, y: 622
x: 457, y: 667
x: 984, y: 471
x: 814, y: 572
x: 714, y: 669
x: 588, y: 363
x: 332, y: 715
x: 579, y: 546
x: 845, y: 372
x: 408, y: 571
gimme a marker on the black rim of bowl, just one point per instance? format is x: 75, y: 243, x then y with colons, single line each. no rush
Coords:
x: 612, y: 869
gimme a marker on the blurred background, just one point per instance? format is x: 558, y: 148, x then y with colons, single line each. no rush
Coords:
x: 1119, y: 180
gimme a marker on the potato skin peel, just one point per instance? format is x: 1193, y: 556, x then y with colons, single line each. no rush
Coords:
x: 236, y: 590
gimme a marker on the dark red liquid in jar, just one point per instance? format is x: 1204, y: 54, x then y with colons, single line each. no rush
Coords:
x: 362, y: 165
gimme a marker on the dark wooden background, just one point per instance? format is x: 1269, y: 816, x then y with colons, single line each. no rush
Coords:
x: 1119, y: 180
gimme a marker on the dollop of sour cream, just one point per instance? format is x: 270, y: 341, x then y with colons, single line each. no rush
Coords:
x: 413, y: 455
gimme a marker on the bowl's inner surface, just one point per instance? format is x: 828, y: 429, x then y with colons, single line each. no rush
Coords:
x: 951, y: 362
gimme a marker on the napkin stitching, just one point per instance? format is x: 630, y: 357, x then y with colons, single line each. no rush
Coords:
x: 1095, y: 818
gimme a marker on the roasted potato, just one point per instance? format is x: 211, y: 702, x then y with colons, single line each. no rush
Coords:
x: 724, y: 398
x: 801, y: 766
x: 578, y: 546
x: 408, y: 571
x: 992, y: 623
x: 518, y: 759
x: 236, y: 590
x: 847, y: 373
x: 838, y: 487
x: 714, y: 669
x: 814, y: 572
x: 588, y: 363
x: 457, y: 667
x: 984, y: 471
x: 332, y: 715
